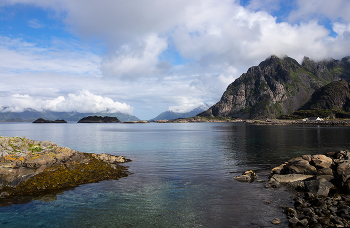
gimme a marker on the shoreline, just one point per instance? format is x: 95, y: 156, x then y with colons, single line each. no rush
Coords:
x: 345, y: 122
x: 321, y: 184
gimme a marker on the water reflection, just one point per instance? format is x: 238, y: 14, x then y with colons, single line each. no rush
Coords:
x: 266, y: 146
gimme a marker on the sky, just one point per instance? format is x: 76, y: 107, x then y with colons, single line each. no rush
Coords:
x: 144, y: 57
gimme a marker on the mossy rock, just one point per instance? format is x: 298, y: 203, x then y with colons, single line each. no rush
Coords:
x: 65, y: 176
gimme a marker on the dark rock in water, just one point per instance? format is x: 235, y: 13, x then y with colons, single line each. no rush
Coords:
x: 99, y: 119
x: 41, y: 120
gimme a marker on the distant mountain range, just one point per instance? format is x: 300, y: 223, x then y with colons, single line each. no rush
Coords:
x: 170, y: 115
x: 29, y: 115
x: 281, y: 86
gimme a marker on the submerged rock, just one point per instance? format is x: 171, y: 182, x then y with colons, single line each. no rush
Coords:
x: 29, y: 167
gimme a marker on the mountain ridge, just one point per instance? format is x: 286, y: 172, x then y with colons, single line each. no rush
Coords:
x: 277, y: 86
x: 29, y: 115
x: 170, y: 115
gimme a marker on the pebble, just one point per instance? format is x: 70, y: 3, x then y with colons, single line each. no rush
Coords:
x: 276, y: 221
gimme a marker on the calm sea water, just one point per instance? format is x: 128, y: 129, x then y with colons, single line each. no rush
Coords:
x: 182, y: 174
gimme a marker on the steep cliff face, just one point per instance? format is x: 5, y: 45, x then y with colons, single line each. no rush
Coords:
x: 277, y: 86
x: 334, y: 96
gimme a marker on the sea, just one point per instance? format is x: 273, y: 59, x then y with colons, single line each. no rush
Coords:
x: 182, y: 174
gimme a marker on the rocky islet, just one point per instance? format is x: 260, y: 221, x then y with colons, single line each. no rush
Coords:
x: 29, y: 167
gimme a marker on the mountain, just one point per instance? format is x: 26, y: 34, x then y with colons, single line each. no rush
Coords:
x: 170, y: 115
x: 334, y: 96
x: 30, y: 115
x: 277, y: 86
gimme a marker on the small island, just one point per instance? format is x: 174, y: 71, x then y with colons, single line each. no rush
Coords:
x: 99, y: 119
x: 29, y: 167
x: 41, y: 120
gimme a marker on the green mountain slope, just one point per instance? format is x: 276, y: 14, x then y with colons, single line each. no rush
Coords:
x: 276, y: 86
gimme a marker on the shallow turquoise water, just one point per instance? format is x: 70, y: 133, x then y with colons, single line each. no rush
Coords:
x: 182, y: 174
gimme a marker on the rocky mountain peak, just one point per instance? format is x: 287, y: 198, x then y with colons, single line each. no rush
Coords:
x: 276, y: 86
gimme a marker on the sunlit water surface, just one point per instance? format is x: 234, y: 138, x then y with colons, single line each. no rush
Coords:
x: 182, y: 174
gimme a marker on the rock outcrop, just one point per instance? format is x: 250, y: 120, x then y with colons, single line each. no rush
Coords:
x: 29, y: 167
x: 335, y: 95
x: 247, y: 176
x: 41, y: 120
x: 99, y: 119
x: 323, y: 183
x: 276, y: 86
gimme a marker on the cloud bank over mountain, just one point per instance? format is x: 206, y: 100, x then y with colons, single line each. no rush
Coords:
x: 155, y: 55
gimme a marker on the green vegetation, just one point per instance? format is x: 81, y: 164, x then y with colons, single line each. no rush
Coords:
x: 35, y: 148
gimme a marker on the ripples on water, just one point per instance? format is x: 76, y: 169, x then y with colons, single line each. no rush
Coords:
x: 183, y: 174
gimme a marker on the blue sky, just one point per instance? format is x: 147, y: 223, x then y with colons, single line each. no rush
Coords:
x: 146, y: 57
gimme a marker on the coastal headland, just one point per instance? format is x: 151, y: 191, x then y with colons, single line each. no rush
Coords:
x: 29, y: 167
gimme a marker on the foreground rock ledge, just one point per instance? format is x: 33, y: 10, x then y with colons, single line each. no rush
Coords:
x: 323, y: 185
x: 29, y: 167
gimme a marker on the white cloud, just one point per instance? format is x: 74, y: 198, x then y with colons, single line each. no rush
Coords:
x: 34, y: 23
x: 311, y: 9
x: 17, y: 55
x: 84, y: 101
x: 135, y: 60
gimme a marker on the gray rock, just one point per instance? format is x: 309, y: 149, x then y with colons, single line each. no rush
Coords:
x: 290, y: 177
x: 321, y: 161
x: 272, y: 184
x: 293, y: 222
x: 325, y: 171
x: 343, y: 170
x: 303, y: 222
x: 4, y: 194
x: 318, y: 187
x: 299, y: 166
x: 243, y: 178
x: 247, y: 176
x: 276, y: 221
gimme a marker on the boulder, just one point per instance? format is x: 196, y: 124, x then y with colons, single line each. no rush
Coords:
x: 299, y: 166
x: 318, y: 187
x: 247, y: 176
x: 343, y: 170
x: 321, y: 161
x: 278, y: 169
x: 325, y: 171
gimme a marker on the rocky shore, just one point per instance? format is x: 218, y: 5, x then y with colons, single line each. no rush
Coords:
x: 197, y: 119
x: 300, y: 122
x: 322, y: 183
x: 29, y: 167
